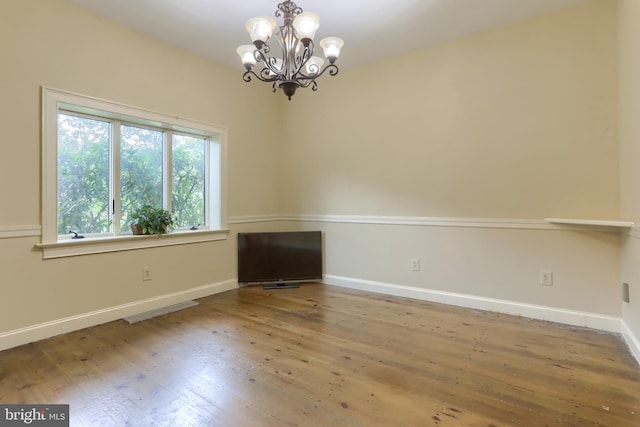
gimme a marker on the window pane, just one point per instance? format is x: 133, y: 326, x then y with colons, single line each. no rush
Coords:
x: 83, y: 175
x: 140, y: 170
x: 188, y: 200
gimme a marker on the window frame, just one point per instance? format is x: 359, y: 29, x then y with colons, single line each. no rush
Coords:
x: 55, y: 101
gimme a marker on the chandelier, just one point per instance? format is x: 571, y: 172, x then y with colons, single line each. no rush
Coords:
x: 296, y: 66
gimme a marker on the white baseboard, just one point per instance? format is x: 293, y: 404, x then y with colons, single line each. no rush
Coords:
x: 591, y: 320
x: 61, y: 326
x: 569, y: 317
x: 632, y: 341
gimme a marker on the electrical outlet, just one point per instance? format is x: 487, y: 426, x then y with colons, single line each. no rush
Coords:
x: 625, y: 292
x: 146, y: 273
x: 546, y: 278
x: 415, y: 264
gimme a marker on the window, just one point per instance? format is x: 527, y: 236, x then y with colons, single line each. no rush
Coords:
x: 101, y: 160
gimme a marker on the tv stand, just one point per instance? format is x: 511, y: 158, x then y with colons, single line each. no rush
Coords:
x: 281, y: 286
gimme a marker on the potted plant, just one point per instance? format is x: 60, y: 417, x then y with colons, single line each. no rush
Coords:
x: 151, y: 220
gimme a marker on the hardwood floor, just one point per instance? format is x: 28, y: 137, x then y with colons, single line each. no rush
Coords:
x: 325, y: 356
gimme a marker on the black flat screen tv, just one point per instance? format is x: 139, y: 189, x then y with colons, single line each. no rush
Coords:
x: 279, y: 258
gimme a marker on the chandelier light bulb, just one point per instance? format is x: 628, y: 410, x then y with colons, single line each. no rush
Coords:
x: 260, y: 29
x: 306, y: 25
x: 331, y: 47
x: 247, y: 55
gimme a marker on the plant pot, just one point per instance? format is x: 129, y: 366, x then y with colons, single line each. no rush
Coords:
x: 137, y: 230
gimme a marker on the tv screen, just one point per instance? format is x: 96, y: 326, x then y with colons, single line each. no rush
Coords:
x: 279, y: 257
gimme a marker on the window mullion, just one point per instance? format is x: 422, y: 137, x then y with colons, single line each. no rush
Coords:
x: 207, y: 183
x: 215, y: 194
x: 115, y: 177
x: 167, y: 184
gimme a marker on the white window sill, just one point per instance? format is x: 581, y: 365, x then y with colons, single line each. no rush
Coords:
x: 99, y: 245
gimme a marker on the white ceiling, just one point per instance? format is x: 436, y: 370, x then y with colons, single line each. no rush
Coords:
x: 371, y: 29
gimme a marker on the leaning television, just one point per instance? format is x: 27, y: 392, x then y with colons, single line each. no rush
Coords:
x: 279, y: 259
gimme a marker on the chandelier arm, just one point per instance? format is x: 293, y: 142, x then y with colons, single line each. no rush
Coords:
x: 305, y: 82
x: 332, y: 68
x: 266, y: 75
x: 264, y: 49
x: 271, y: 67
x: 301, y: 60
x: 270, y: 73
x: 247, y: 76
x: 259, y: 55
x: 333, y: 71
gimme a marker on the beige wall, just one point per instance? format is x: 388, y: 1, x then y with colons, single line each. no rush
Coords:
x: 52, y: 43
x: 629, y: 51
x: 518, y: 122
x: 489, y: 263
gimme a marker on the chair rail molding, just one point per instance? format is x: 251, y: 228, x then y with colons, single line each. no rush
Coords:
x: 510, y: 223
x: 20, y: 231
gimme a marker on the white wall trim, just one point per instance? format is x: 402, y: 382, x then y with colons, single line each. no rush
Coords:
x: 249, y: 219
x: 36, y: 230
x: 635, y: 232
x: 591, y: 222
x: 569, y: 317
x: 523, y: 224
x: 68, y: 324
x: 631, y: 340
x: 20, y: 231
x: 426, y: 221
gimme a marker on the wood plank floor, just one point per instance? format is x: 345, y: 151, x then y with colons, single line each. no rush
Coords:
x: 325, y: 356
